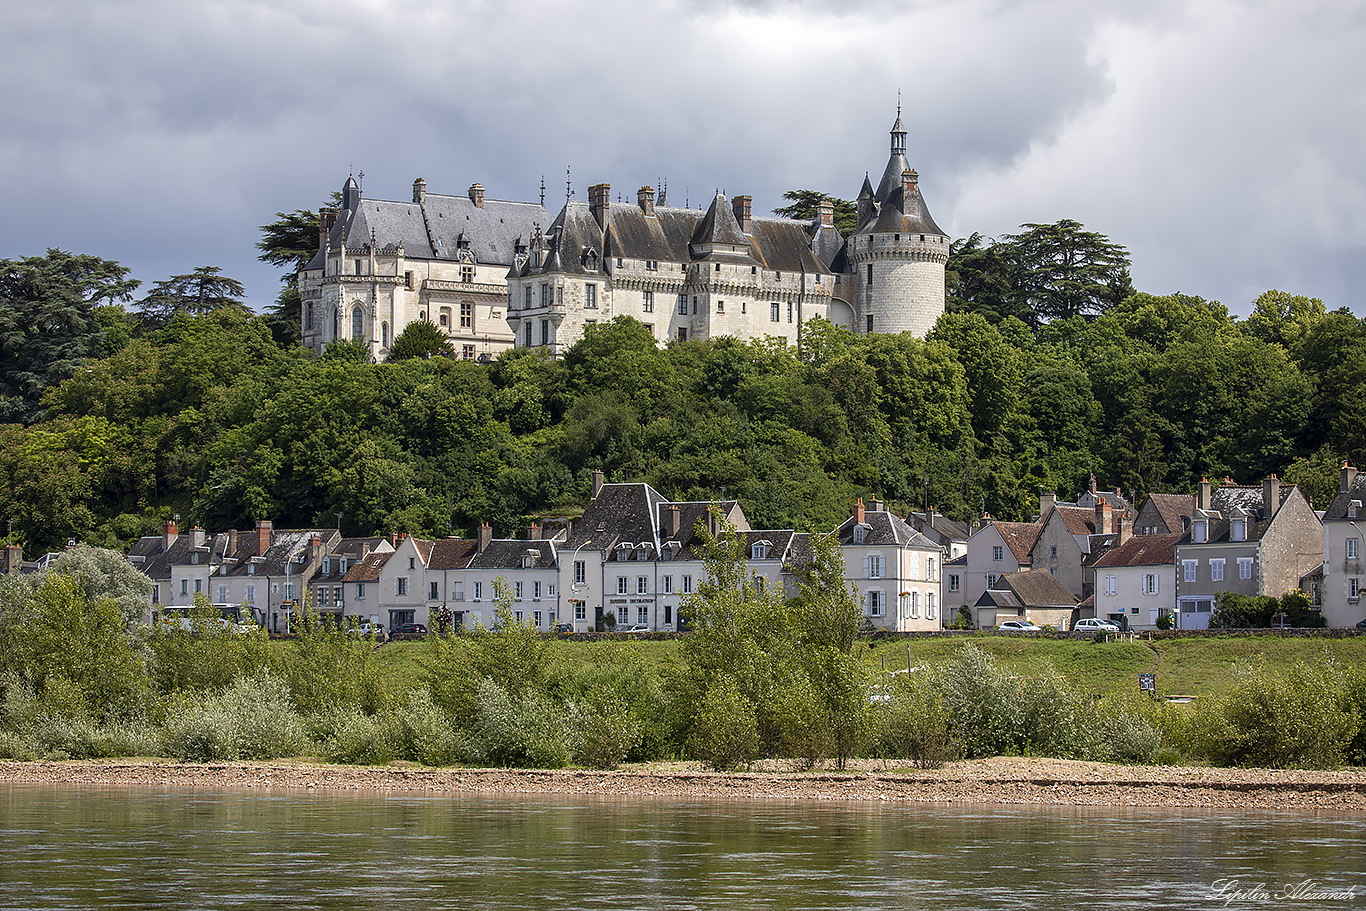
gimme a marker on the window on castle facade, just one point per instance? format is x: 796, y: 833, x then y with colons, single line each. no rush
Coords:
x: 526, y: 294
x: 720, y: 306
x: 545, y: 332
x: 682, y: 305
x: 545, y: 295
x: 870, y: 273
x: 308, y: 315
x: 357, y: 324
x: 789, y: 311
x: 467, y: 352
x: 870, y: 323
x: 466, y: 315
x: 647, y: 301
x: 408, y: 279
x: 590, y: 296
x: 773, y: 311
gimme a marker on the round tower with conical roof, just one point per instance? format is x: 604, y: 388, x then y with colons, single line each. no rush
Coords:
x: 898, y: 254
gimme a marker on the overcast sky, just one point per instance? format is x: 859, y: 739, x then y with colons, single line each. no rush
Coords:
x: 1223, y: 143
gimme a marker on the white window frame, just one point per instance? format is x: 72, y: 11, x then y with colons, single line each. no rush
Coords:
x: 1216, y: 570
x: 1190, y: 569
x: 1150, y: 583
x: 1351, y: 548
x: 1244, y: 567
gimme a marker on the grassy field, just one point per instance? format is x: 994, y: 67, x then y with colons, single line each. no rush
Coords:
x: 1196, y: 667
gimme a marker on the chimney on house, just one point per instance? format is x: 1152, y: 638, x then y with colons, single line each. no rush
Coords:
x: 232, y: 542
x: 598, y: 480
x: 645, y: 196
x: 197, y: 537
x: 1104, y: 517
x: 485, y: 537
x: 929, y: 518
x: 477, y: 195
x: 13, y: 559
x: 169, y: 534
x: 910, y: 192
x: 1349, y: 476
x: 741, y: 205
x: 1092, y: 488
x: 419, y: 191
x: 1046, y: 500
x: 860, y: 513
x: 673, y: 522
x: 1271, y: 496
x: 1126, y: 528
x: 1202, y: 498
x: 262, y: 537
x: 599, y: 198
x: 327, y: 217
x: 534, y: 532
x: 825, y: 213
x: 315, y: 549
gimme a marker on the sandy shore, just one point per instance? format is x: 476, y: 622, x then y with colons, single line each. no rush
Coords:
x: 997, y: 781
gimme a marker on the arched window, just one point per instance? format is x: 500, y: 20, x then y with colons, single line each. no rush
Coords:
x: 336, y: 328
x: 357, y: 324
x: 384, y: 334
x: 308, y: 315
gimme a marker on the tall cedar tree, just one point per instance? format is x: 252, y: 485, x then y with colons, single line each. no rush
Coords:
x: 199, y: 293
x: 804, y: 206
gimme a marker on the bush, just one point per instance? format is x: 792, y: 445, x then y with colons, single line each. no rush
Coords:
x: 914, y: 724
x: 804, y: 731
x: 527, y: 730
x: 1300, y: 717
x: 251, y: 719
x: 353, y: 737
x: 1124, y: 731
x: 726, y: 731
x: 429, y: 736
x: 608, y: 731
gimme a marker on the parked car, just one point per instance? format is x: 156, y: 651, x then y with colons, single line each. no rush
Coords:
x: 1018, y: 626
x: 637, y: 628
x: 407, y: 631
x: 564, y: 630
x: 1089, y: 626
x: 369, y: 629
x: 1361, y: 624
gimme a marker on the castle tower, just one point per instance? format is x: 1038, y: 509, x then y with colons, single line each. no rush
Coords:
x: 898, y: 253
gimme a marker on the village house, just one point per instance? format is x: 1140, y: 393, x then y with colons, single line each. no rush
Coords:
x: 1136, y: 581
x: 1033, y: 596
x: 1344, y: 567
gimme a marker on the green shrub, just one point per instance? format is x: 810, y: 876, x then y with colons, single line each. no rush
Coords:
x: 804, y: 730
x: 1124, y: 730
x: 726, y: 731
x: 608, y: 731
x: 251, y: 719
x: 527, y: 730
x: 355, y: 738
x: 914, y: 724
x: 429, y: 736
x: 1299, y: 717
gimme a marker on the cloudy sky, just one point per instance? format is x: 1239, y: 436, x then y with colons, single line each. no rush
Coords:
x: 1223, y: 143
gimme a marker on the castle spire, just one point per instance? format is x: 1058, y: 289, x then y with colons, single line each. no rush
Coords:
x: 898, y: 130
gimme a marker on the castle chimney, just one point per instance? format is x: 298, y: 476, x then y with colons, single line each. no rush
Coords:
x: 1349, y: 476
x: 860, y: 513
x: 485, y: 537
x: 327, y: 217
x: 598, y: 480
x: 910, y: 192
x: 197, y: 537
x: 477, y: 195
x: 645, y: 196
x: 315, y: 549
x: 1104, y: 515
x: 1046, y: 500
x: 232, y: 541
x: 740, y: 205
x: 599, y: 198
x: 825, y: 213
x: 1202, y: 498
x: 419, y: 191
x: 1271, y: 496
x: 262, y: 537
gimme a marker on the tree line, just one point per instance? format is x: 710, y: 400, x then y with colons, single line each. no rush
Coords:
x: 123, y: 413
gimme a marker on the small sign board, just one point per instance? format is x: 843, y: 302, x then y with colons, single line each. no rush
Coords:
x: 1147, y: 683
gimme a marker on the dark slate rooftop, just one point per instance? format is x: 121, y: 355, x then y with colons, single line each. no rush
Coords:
x: 1039, y: 588
x: 620, y: 513
x: 492, y: 230
x: 947, y: 529
x: 156, y: 561
x: 451, y: 553
x: 1342, y: 508
x: 287, y: 545
x: 885, y: 529
x: 508, y: 554
x: 368, y: 570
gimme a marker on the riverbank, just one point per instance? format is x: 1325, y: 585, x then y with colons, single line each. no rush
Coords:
x: 1002, y: 780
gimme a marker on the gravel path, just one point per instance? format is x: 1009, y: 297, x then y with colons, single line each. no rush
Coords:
x: 998, y: 781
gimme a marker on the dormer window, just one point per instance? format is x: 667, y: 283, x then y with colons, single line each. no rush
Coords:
x: 758, y: 552
x: 341, y: 564
x: 1199, y: 531
x: 858, y: 534
x: 1239, y: 529
x: 529, y: 559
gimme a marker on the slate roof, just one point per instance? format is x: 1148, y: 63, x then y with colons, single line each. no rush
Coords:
x: 885, y: 529
x: 352, y: 550
x: 779, y: 541
x: 156, y: 561
x: 492, y: 230
x: 1341, y: 508
x: 1039, y: 588
x: 287, y: 544
x: 508, y: 553
x: 1172, y: 508
x: 948, y: 529
x: 1142, y: 550
x: 1019, y: 537
x: 667, y: 236
x: 619, y: 513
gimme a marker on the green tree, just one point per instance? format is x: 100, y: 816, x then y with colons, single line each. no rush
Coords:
x: 1061, y: 270
x: 199, y: 293
x: 420, y: 338
x: 105, y: 573
x: 979, y: 279
x: 50, y: 324
x: 803, y: 205
x: 291, y: 241
x: 1283, y: 319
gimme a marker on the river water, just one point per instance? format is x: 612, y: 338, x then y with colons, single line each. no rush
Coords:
x: 72, y: 847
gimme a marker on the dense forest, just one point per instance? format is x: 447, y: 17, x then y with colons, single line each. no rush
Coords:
x: 126, y: 412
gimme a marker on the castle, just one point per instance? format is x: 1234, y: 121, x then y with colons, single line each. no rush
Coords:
x: 490, y: 276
